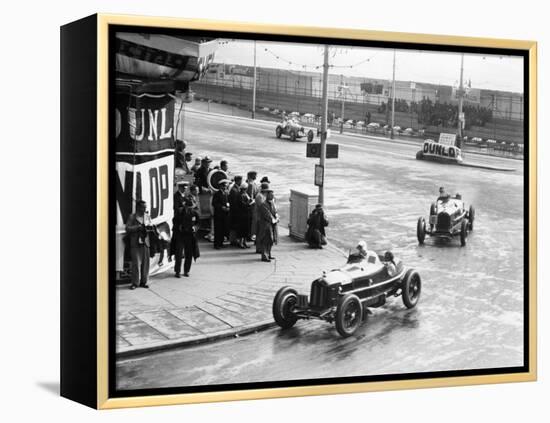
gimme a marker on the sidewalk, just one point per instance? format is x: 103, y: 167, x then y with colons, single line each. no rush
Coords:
x: 229, y: 293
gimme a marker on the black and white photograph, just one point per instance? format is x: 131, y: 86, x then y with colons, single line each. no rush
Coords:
x: 299, y: 211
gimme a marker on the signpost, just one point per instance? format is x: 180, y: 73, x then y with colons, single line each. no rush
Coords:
x: 314, y: 150
x: 319, y: 175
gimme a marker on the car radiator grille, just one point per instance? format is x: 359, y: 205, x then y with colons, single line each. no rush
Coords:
x: 319, y: 294
x: 443, y: 222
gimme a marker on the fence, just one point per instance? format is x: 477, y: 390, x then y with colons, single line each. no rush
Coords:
x: 301, y: 96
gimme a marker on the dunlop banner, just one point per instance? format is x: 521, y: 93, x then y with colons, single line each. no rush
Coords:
x: 144, y: 130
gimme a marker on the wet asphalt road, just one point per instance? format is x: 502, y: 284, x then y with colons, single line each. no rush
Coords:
x: 470, y: 315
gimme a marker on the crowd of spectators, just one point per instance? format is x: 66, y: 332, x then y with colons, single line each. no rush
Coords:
x: 440, y: 114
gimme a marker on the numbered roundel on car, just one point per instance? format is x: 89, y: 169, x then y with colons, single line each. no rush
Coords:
x: 214, y: 177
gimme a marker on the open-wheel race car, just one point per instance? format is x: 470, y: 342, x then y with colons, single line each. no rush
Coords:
x: 294, y: 129
x: 343, y: 296
x: 448, y: 219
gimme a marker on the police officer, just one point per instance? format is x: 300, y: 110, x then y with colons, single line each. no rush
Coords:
x: 185, y: 229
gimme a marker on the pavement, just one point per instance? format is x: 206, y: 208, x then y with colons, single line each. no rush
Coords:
x: 229, y: 293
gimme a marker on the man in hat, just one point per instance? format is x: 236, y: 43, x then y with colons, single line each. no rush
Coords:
x: 361, y: 254
x: 258, y: 201
x: 443, y: 196
x: 265, y: 179
x: 234, y: 198
x: 242, y: 211
x: 201, y: 175
x: 185, y: 228
x: 316, y: 223
x: 180, y: 194
x: 220, y: 204
x: 138, y: 228
x: 197, y: 164
x: 252, y: 190
x: 267, y: 226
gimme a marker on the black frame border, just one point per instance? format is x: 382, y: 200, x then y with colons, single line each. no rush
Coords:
x: 113, y: 392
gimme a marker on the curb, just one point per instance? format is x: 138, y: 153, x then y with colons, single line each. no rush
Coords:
x: 133, y: 351
x: 137, y: 350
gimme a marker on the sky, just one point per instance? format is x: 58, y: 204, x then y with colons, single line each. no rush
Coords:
x: 504, y: 73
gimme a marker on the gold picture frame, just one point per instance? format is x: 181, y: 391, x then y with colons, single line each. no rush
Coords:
x: 102, y: 199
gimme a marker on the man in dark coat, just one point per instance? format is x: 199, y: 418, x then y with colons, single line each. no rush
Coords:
x: 234, y: 198
x: 252, y: 190
x: 258, y: 201
x: 201, y: 175
x: 220, y: 204
x: 267, y: 226
x: 316, y: 223
x: 180, y: 194
x: 185, y: 228
x: 138, y: 229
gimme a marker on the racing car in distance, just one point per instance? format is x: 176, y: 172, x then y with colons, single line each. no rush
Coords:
x: 294, y: 129
x: 448, y: 218
x: 343, y: 295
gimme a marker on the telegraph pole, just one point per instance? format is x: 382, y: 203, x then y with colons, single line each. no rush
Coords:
x: 343, y: 102
x: 254, y: 85
x: 460, y: 100
x: 324, y: 118
x: 393, y: 98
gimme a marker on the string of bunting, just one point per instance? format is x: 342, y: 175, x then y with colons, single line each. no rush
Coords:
x: 305, y: 66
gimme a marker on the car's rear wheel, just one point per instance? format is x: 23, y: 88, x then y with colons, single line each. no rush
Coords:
x: 278, y: 131
x: 293, y: 135
x: 284, y: 301
x: 349, y: 314
x: 463, y: 232
x: 411, y: 289
x: 309, y: 135
x: 419, y: 155
x: 421, y: 230
x: 471, y: 217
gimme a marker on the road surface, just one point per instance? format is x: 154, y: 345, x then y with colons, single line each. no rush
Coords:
x: 470, y: 315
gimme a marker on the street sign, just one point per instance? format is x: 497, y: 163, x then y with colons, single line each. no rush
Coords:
x: 319, y: 175
x: 314, y: 150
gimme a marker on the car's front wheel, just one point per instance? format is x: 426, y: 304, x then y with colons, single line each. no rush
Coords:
x: 309, y: 135
x: 349, y: 313
x: 419, y: 155
x: 421, y: 230
x: 278, y: 131
x: 411, y: 289
x: 284, y: 301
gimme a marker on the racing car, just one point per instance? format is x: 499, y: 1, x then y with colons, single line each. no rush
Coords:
x: 293, y: 129
x: 343, y: 296
x: 448, y: 219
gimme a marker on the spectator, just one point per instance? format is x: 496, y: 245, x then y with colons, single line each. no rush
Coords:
x: 234, y: 198
x: 180, y: 194
x: 187, y: 163
x: 201, y: 175
x: 185, y: 228
x: 267, y: 226
x: 258, y: 201
x: 179, y: 154
x: 317, y: 221
x: 252, y: 190
x: 196, y: 166
x: 138, y: 229
x: 220, y: 204
x: 241, y: 212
